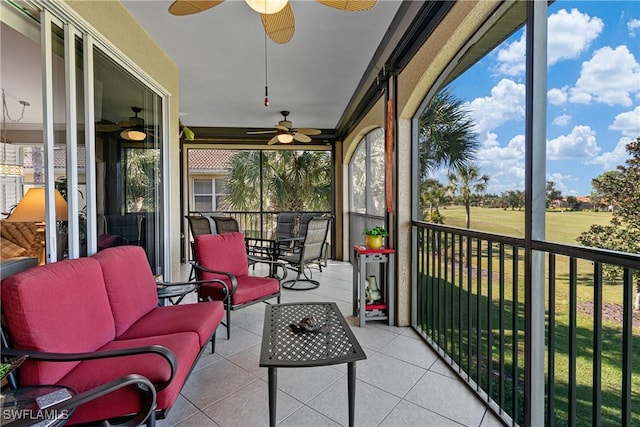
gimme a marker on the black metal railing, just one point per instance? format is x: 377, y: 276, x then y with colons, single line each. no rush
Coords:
x: 470, y: 307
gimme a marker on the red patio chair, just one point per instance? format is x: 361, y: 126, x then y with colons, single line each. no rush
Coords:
x: 224, y: 256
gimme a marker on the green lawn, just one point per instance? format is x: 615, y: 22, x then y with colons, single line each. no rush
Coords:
x: 562, y: 227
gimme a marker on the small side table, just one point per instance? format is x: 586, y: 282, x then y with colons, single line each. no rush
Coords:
x: 19, y: 407
x: 174, y: 294
x: 385, y: 259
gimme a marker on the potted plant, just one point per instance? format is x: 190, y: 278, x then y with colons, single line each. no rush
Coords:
x: 373, y: 237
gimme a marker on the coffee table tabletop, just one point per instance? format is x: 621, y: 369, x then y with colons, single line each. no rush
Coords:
x: 281, y: 347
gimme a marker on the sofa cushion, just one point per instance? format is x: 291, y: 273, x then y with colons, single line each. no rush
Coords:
x: 130, y: 284
x: 202, y: 319
x: 92, y: 373
x: 61, y: 308
x: 231, y: 255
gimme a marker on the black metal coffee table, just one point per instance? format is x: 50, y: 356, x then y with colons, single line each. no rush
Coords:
x: 333, y: 344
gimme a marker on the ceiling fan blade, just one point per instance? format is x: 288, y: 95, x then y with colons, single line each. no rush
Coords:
x: 273, y: 140
x: 349, y: 5
x: 307, y: 131
x: 282, y: 128
x: 301, y: 137
x: 125, y: 124
x: 279, y: 26
x: 107, y: 127
x: 190, y: 7
x: 261, y: 132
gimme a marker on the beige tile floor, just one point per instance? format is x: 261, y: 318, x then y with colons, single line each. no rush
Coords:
x: 401, y: 383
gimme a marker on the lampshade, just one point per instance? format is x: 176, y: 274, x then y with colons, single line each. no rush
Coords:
x: 31, y: 207
x: 285, y: 138
x: 133, y: 135
x: 267, y: 6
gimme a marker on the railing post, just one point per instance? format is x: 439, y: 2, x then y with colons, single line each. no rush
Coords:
x: 535, y: 158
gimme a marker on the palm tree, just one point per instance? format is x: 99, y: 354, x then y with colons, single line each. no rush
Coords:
x: 446, y: 137
x: 432, y: 195
x: 291, y: 180
x: 466, y: 181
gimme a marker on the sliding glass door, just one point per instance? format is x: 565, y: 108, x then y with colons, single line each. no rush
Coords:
x: 85, y: 129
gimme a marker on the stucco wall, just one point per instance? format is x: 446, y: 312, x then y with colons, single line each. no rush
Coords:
x: 115, y: 23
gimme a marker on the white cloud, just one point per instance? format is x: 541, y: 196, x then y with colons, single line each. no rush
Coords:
x: 557, y: 96
x: 511, y: 60
x: 504, y: 165
x: 506, y: 102
x: 633, y: 26
x: 569, y: 34
x: 580, y: 143
x: 562, y: 120
x: 628, y: 123
x: 611, y: 76
x: 612, y: 159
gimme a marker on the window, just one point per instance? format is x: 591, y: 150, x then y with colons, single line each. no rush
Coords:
x: 367, y: 185
x: 208, y: 194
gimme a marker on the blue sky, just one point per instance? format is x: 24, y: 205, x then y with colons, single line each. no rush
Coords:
x: 593, y: 106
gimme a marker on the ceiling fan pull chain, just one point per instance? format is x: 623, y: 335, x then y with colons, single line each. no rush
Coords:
x: 266, y: 81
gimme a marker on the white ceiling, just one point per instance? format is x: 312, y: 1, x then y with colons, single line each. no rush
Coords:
x: 221, y: 58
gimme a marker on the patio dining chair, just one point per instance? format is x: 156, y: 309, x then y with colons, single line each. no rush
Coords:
x: 225, y: 224
x: 198, y: 225
x: 224, y: 257
x: 310, y: 253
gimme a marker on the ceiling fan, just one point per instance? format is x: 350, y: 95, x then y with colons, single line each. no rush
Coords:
x: 130, y: 130
x: 286, y: 134
x: 276, y: 15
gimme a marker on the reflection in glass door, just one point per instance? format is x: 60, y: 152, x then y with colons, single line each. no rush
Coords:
x: 128, y: 161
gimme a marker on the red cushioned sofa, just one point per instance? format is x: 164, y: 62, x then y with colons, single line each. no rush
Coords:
x: 97, y: 319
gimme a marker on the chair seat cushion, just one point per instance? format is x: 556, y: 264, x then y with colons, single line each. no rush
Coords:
x: 250, y: 288
x: 202, y: 319
x: 93, y: 373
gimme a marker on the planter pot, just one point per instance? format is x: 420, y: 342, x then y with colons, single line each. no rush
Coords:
x: 373, y: 242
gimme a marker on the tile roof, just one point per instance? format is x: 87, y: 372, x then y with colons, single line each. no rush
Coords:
x: 59, y: 158
x: 210, y: 159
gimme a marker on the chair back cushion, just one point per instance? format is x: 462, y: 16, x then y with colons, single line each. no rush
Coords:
x: 314, y: 238
x: 222, y: 252
x: 286, y: 225
x: 304, y: 222
x: 60, y: 307
x: 129, y: 282
x: 226, y: 224
x: 199, y: 224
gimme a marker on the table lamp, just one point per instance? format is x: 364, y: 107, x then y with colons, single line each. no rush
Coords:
x: 31, y: 208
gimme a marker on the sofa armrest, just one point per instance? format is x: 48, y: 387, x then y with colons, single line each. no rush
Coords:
x: 139, y: 382
x: 70, y: 357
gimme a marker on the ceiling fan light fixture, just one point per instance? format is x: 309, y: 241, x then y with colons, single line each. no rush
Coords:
x: 267, y: 7
x: 133, y: 135
x: 285, y: 138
